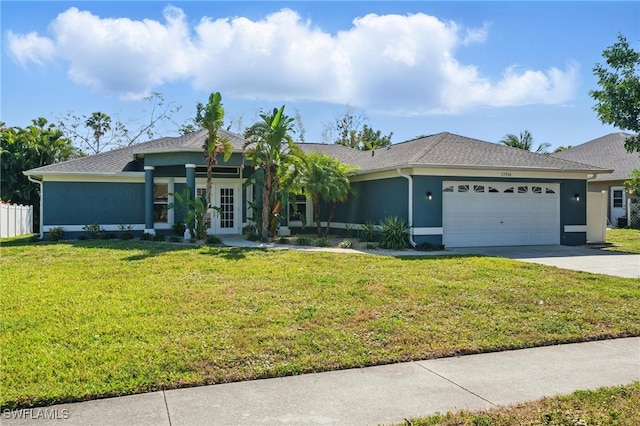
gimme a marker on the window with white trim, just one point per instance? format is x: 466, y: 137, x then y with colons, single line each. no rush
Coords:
x: 160, y: 201
x: 618, y: 198
x: 300, y: 211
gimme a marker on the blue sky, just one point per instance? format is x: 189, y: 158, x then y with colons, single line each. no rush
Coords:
x: 479, y: 69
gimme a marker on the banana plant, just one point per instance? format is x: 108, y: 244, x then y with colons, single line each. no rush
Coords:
x: 194, y: 210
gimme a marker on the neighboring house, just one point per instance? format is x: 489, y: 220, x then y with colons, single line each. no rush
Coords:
x: 450, y: 189
x: 607, y: 152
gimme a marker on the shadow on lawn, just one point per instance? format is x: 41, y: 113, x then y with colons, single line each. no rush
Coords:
x: 23, y: 240
x: 230, y: 253
x: 147, y: 249
x: 144, y: 249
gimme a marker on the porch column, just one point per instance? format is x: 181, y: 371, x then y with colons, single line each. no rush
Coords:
x: 148, y: 199
x: 191, y: 178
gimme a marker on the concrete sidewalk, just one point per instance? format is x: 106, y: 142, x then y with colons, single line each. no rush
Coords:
x: 373, y: 395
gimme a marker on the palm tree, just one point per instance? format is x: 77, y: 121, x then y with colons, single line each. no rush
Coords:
x: 561, y: 148
x: 211, y: 118
x: 323, y: 178
x: 270, y: 148
x: 524, y: 141
x: 100, y: 123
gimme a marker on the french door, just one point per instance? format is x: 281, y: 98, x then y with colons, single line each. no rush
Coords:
x: 226, y: 218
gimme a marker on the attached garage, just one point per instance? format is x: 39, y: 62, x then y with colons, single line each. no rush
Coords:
x: 500, y: 214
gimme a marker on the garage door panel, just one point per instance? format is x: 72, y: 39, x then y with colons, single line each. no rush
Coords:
x: 492, y: 213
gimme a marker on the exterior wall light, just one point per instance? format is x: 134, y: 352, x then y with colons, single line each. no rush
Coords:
x: 577, y: 197
x: 429, y: 196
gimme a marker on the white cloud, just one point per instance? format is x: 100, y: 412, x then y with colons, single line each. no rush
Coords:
x: 30, y: 48
x: 398, y: 63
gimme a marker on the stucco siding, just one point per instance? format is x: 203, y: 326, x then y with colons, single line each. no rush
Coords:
x: 379, y: 199
x: 83, y: 203
x: 427, y: 213
x: 573, y: 212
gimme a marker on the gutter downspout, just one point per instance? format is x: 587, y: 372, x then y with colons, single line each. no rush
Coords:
x: 39, y: 182
x: 410, y: 179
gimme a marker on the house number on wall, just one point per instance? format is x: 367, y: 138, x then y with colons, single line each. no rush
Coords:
x: 505, y: 174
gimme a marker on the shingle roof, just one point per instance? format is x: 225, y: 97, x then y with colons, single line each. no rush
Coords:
x: 123, y: 159
x: 607, y: 152
x: 440, y: 150
x: 448, y: 150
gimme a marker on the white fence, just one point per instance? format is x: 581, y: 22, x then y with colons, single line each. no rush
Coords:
x: 15, y: 220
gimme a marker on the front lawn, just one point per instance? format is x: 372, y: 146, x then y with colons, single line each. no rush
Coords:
x: 98, y: 318
x: 617, y: 405
x: 624, y: 240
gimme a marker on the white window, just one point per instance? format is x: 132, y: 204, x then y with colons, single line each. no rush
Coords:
x: 162, y: 190
x: 300, y: 211
x: 202, y: 192
x: 160, y: 201
x: 618, y: 198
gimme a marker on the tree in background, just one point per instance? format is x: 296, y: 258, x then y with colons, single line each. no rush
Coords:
x: 350, y: 130
x: 323, y: 178
x: 524, y: 141
x: 99, y: 131
x: 299, y: 126
x: 270, y: 148
x: 561, y: 148
x: 21, y: 149
x: 618, y: 100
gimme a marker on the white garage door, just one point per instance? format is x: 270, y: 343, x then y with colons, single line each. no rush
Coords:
x: 500, y: 214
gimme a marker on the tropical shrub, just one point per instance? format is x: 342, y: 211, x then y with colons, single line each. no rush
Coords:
x: 178, y: 229
x: 394, y: 234
x: 146, y: 236
x: 195, y: 212
x: 212, y: 240
x: 321, y: 242
x: 55, y: 234
x: 302, y: 240
x: 251, y: 232
x: 126, y: 231
x: 174, y: 239
x: 94, y: 229
x: 369, y: 232
x: 158, y: 237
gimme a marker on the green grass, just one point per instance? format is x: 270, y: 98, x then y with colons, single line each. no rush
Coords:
x: 616, y: 405
x: 97, y: 318
x: 624, y: 240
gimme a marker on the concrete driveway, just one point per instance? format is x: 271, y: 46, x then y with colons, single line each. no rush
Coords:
x: 575, y: 258
x: 578, y: 258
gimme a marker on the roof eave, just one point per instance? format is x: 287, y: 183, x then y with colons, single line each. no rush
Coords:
x: 362, y: 171
x: 54, y: 173
x: 169, y: 150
